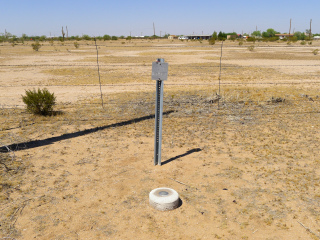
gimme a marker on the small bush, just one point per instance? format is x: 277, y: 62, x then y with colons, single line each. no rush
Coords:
x: 240, y: 42
x: 76, y: 44
x: 212, y: 41
x: 315, y: 52
x: 251, y: 48
x: 36, y: 46
x: 39, y: 102
x: 303, y: 42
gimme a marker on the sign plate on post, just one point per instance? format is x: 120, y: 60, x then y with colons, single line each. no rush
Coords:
x: 159, y: 70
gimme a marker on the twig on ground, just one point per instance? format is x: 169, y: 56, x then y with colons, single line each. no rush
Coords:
x: 308, y: 229
x: 180, y: 182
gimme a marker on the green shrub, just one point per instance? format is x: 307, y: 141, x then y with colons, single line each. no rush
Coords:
x: 315, y: 52
x: 76, y: 44
x: 251, y: 39
x: 39, y: 102
x: 36, y: 46
x: 212, y: 41
x: 251, y: 48
x: 303, y: 42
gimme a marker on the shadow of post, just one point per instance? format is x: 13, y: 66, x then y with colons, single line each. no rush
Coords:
x: 182, y: 155
x: 48, y: 141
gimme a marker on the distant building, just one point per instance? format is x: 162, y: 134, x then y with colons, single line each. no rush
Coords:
x: 232, y: 36
x: 172, y: 37
x: 283, y: 35
x: 206, y: 37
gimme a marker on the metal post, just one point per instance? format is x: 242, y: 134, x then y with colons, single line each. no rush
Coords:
x: 158, y: 123
x: 159, y: 73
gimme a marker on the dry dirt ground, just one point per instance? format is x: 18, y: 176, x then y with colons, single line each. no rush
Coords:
x: 245, y: 166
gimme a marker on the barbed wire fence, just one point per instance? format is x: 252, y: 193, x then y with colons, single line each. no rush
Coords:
x: 206, y: 106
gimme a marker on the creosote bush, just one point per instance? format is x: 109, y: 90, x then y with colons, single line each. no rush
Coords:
x: 315, y: 52
x: 251, y: 48
x: 212, y: 41
x: 36, y: 46
x: 76, y: 44
x: 39, y: 102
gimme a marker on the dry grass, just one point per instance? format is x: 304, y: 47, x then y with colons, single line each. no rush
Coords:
x: 89, y: 176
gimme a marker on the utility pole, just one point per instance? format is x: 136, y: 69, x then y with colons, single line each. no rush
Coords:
x: 290, y: 28
x: 154, y: 32
x: 67, y: 32
x: 310, y: 30
x: 63, y: 33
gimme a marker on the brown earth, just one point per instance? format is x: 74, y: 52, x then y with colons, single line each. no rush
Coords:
x: 245, y: 167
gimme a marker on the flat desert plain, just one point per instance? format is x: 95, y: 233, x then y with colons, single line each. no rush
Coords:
x: 240, y: 141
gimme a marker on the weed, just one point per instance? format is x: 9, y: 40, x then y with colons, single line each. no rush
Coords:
x: 76, y: 44
x: 251, y: 48
x: 315, y: 52
x: 212, y: 41
x: 36, y: 46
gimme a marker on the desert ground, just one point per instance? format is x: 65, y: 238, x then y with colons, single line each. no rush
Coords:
x: 240, y: 141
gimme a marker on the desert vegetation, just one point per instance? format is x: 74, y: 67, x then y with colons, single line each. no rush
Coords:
x: 241, y: 152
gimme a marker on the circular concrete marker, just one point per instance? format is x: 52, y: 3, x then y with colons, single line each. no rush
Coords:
x: 164, y: 199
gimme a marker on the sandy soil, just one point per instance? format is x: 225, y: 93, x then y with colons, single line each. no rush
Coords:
x: 247, y: 168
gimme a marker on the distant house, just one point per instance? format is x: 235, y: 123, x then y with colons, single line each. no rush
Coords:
x: 172, y: 37
x: 316, y: 37
x: 283, y: 35
x: 232, y: 36
x: 206, y: 37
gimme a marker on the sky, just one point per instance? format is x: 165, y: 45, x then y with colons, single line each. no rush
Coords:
x: 136, y: 18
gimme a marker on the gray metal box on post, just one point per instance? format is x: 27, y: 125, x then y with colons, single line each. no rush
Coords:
x: 159, y: 73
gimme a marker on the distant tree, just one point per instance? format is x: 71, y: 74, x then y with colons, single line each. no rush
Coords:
x: 114, y: 38
x: 106, y: 37
x: 215, y: 35
x: 269, y: 33
x: 42, y: 38
x: 24, y: 36
x: 256, y: 33
x: 300, y: 35
x: 232, y: 33
x: 86, y: 37
x: 222, y: 36
x: 129, y: 38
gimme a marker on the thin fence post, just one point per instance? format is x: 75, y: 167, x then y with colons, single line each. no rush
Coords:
x: 220, y: 76
x: 99, y: 72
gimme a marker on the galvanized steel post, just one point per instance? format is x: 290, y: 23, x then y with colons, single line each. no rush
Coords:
x: 159, y: 73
